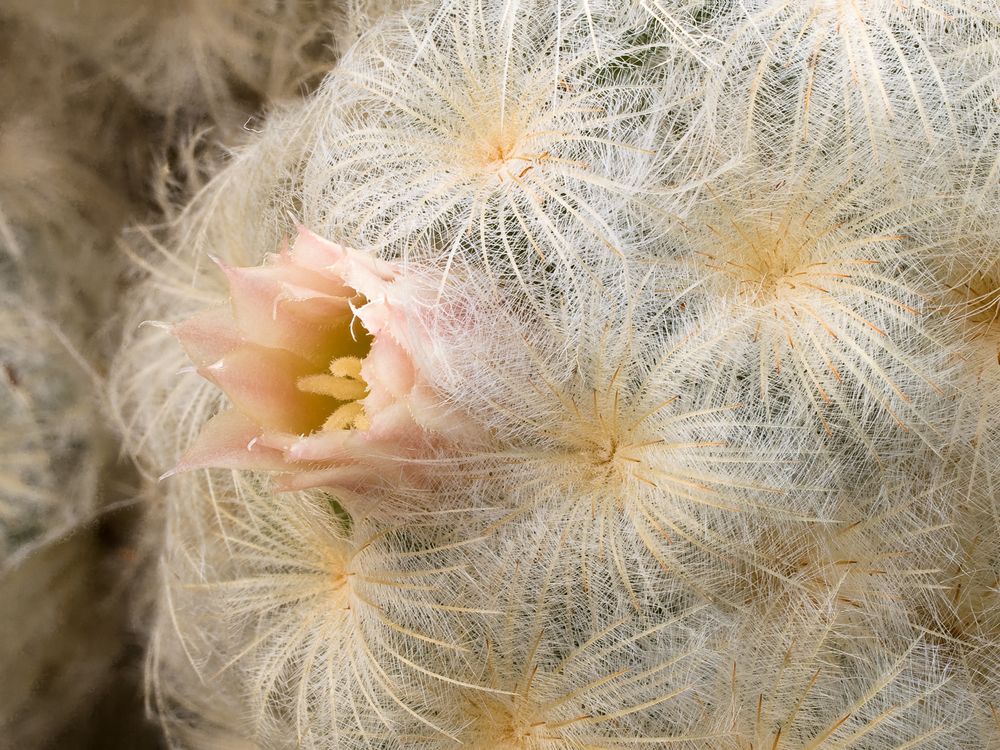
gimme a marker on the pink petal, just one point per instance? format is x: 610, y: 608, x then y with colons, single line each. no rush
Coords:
x: 229, y: 440
x: 208, y: 336
x: 326, y: 446
x: 270, y: 313
x: 431, y: 414
x: 261, y: 383
x: 289, y: 269
x: 387, y: 367
x: 394, y: 424
x: 362, y: 272
x: 312, y: 251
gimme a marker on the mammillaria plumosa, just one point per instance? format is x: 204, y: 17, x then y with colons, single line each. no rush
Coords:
x: 633, y: 384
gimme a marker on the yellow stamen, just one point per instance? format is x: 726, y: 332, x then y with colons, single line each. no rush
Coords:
x: 347, y: 416
x: 340, y: 388
x: 346, y: 367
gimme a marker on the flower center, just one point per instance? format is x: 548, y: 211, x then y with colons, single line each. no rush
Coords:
x: 342, y: 380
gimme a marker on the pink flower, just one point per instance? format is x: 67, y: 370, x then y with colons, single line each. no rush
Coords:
x: 316, y: 353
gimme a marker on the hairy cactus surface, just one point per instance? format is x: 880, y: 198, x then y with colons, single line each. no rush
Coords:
x: 522, y: 375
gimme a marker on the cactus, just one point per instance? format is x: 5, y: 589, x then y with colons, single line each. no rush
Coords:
x: 592, y: 374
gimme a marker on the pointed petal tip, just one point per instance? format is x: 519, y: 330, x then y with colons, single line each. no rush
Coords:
x: 158, y: 324
x: 307, y: 236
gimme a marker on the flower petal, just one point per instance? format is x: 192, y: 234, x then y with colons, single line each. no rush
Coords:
x: 262, y: 383
x: 208, y: 336
x: 229, y: 440
x: 388, y: 367
x: 295, y: 318
x: 364, y: 273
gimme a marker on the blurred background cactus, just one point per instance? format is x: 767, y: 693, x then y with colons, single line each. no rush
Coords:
x: 501, y: 375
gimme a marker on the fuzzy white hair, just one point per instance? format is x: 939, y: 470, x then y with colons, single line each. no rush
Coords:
x: 563, y: 682
x: 817, y: 278
x: 875, y: 65
x: 326, y: 630
x: 477, y: 132
x: 604, y: 441
x: 799, y: 681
